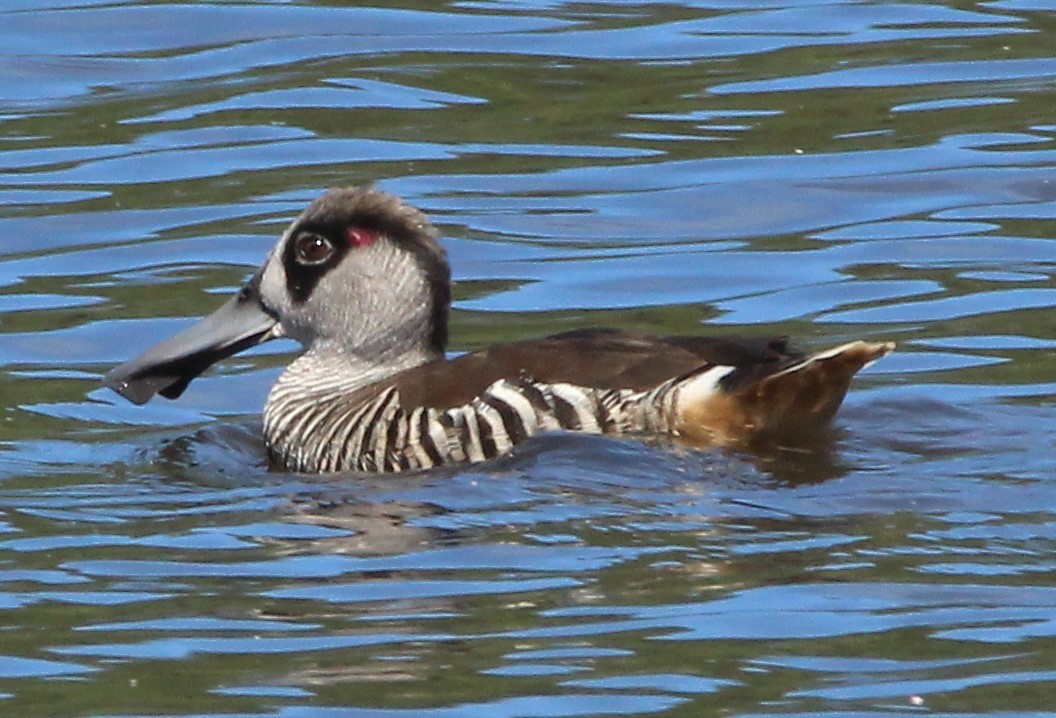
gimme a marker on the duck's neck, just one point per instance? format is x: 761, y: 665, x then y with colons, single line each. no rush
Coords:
x: 324, y: 370
x: 316, y: 396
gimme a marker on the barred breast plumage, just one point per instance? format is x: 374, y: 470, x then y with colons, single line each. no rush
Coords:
x: 362, y: 282
x: 379, y: 434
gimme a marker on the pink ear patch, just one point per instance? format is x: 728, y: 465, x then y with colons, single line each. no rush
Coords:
x: 359, y: 237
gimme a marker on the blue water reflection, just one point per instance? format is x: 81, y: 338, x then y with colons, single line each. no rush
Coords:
x: 825, y: 171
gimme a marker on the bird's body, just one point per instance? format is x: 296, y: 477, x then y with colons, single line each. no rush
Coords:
x: 361, y: 281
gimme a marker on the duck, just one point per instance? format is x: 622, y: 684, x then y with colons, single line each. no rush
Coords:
x: 362, y: 281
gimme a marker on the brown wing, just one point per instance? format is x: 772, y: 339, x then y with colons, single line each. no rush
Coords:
x: 602, y: 358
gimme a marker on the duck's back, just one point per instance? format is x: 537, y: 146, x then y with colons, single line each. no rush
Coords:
x: 597, y: 358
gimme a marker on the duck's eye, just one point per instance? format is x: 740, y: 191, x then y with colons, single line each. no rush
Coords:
x: 311, y: 249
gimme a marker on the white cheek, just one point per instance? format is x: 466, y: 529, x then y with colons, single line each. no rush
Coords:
x: 366, y: 263
x: 273, y: 287
x: 274, y: 295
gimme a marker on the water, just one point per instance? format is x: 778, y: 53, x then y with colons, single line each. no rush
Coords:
x: 827, y: 171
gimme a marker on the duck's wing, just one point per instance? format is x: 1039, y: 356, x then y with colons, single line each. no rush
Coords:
x: 596, y: 358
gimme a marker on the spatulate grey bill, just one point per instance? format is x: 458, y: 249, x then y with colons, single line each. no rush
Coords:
x: 168, y: 367
x: 362, y: 282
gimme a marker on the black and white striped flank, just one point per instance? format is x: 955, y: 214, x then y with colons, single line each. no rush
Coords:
x: 320, y: 431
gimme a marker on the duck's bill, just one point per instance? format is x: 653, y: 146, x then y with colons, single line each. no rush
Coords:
x: 168, y: 367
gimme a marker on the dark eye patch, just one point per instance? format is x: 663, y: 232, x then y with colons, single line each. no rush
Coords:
x: 315, y: 248
x: 307, y: 257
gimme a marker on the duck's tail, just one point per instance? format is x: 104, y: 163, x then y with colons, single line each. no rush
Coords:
x: 733, y: 407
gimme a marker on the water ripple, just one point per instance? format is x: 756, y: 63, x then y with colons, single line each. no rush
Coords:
x: 825, y: 171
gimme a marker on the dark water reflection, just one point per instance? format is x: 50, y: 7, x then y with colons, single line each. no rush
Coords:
x: 826, y: 171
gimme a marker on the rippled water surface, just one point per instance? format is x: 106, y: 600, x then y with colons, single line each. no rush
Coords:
x: 828, y: 171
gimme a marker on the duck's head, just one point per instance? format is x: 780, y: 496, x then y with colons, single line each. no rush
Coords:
x: 359, y: 273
